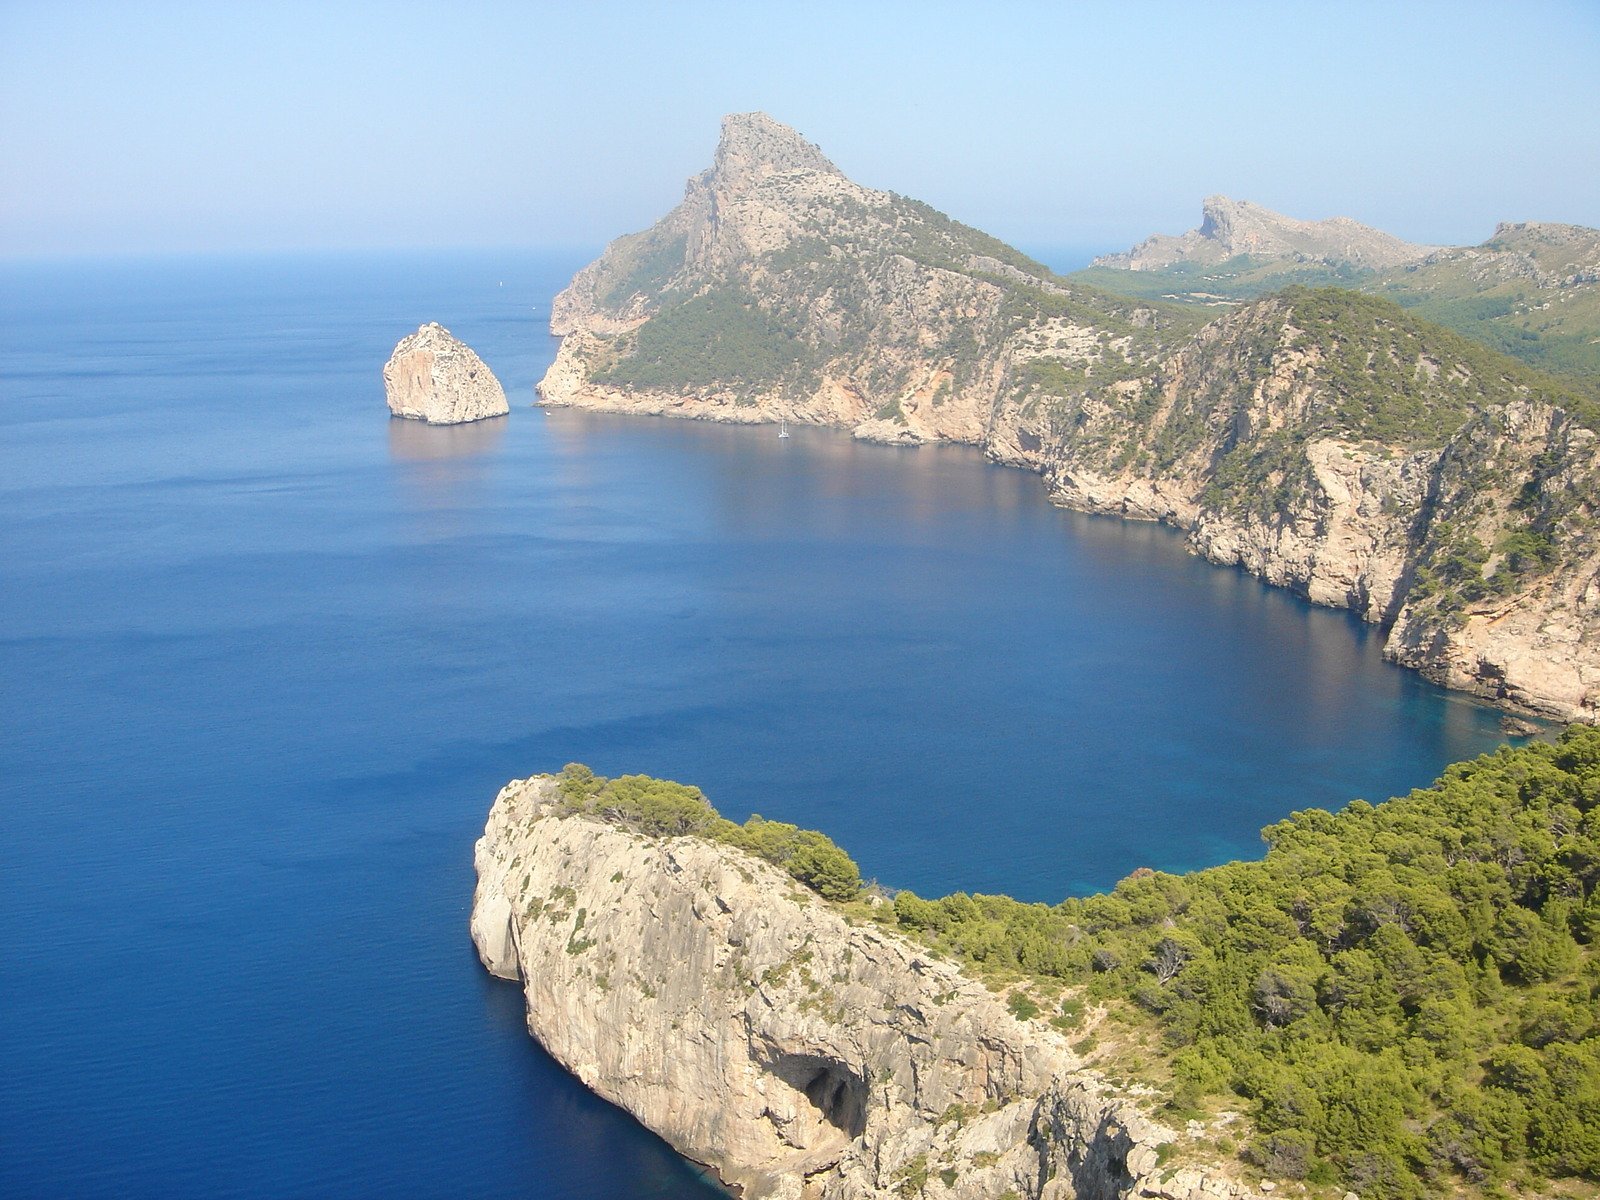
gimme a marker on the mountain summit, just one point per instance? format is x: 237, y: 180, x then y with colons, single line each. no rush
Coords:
x: 1230, y: 228
x: 1332, y: 443
x: 753, y: 145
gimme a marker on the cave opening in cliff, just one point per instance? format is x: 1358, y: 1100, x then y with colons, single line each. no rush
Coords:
x: 837, y: 1093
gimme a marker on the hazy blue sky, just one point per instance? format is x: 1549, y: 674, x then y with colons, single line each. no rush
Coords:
x: 146, y: 127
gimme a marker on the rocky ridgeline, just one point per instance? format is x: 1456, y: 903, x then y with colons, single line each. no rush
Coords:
x: 746, y: 1021
x: 1545, y: 254
x: 779, y: 288
x: 1242, y: 439
x: 1230, y: 228
x: 437, y: 378
x: 1326, y: 441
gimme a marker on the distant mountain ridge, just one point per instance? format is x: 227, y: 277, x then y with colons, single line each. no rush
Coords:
x: 1230, y: 228
x: 1329, y: 442
x: 1532, y: 290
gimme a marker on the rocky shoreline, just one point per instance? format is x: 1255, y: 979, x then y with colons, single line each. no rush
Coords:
x: 1324, y: 441
x: 800, y: 1054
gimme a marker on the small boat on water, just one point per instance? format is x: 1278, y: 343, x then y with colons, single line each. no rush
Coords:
x: 783, y: 427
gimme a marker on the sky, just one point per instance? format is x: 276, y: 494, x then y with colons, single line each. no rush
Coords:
x: 140, y: 128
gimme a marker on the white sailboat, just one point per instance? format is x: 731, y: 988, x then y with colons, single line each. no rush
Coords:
x: 783, y: 427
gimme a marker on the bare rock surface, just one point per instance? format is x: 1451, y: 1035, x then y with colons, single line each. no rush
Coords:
x: 437, y: 378
x: 1329, y: 443
x: 1230, y: 228
x: 746, y: 1021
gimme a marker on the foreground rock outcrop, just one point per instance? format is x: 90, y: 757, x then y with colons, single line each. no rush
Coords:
x: 1329, y: 442
x: 746, y: 1021
x: 437, y: 378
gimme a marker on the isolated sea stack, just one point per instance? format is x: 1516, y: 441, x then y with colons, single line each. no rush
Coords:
x: 437, y: 378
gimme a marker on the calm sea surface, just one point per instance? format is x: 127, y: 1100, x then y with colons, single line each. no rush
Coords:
x: 266, y: 656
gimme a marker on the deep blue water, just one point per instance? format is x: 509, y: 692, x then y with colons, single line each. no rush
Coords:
x: 266, y: 656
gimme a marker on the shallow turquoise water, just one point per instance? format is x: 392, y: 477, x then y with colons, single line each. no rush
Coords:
x: 267, y: 656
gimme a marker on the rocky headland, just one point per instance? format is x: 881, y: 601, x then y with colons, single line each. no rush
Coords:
x: 1329, y: 442
x: 434, y: 377
x: 798, y: 1052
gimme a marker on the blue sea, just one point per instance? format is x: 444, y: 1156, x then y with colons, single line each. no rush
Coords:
x: 266, y: 655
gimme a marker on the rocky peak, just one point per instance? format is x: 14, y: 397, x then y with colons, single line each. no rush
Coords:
x: 1229, y: 228
x: 437, y: 378
x: 1562, y: 250
x: 1544, y: 231
x: 753, y: 145
x: 1216, y: 216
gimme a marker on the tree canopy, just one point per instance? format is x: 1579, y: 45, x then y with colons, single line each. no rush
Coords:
x: 1406, y: 995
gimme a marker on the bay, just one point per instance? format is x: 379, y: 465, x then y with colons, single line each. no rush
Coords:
x: 267, y: 655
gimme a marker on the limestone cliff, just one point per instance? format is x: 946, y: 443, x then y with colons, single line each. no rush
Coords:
x: 1329, y: 442
x: 436, y: 378
x: 1231, y: 228
x: 781, y: 289
x: 762, y: 1033
x: 1324, y: 442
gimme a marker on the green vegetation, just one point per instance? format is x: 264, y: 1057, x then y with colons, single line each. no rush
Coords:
x: 640, y: 263
x: 1403, y: 380
x: 1531, y: 294
x: 1245, y: 277
x: 722, y: 336
x: 911, y: 1179
x: 661, y: 808
x: 1406, y: 995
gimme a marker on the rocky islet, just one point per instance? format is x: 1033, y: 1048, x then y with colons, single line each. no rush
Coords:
x: 437, y: 378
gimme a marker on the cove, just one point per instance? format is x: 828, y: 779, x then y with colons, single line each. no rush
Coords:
x: 268, y: 655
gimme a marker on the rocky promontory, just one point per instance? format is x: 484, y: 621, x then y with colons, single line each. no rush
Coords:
x: 434, y: 377
x: 1332, y: 443
x: 797, y: 1051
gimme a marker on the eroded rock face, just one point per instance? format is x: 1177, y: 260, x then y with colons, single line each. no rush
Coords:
x: 868, y: 312
x: 1229, y: 228
x: 743, y: 1019
x: 434, y: 377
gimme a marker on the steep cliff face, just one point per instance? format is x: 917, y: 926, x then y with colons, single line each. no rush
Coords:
x: 1328, y: 442
x: 434, y: 377
x: 1506, y: 595
x: 779, y: 288
x: 1332, y: 446
x: 746, y: 1021
x: 1230, y: 228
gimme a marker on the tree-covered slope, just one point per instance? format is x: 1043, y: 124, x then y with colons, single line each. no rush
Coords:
x: 1406, y: 995
x: 1531, y: 291
x: 1404, y: 998
x: 1329, y: 442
